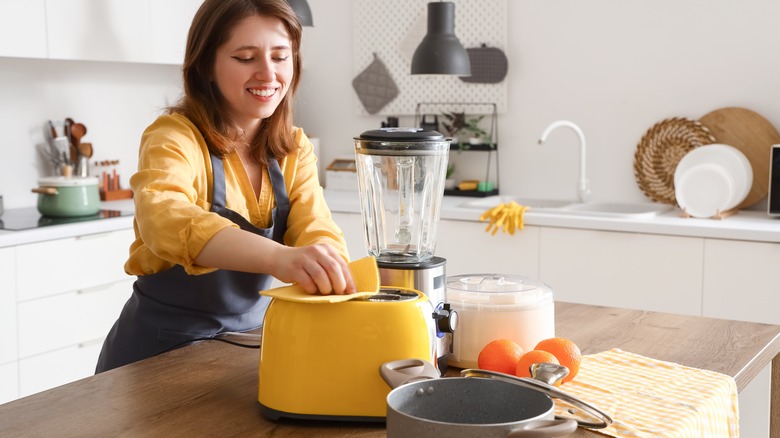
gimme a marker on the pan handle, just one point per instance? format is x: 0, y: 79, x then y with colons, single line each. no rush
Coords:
x: 544, y: 429
x: 46, y: 190
x: 400, y: 372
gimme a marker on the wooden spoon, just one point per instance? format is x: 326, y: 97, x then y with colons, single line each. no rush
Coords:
x: 85, y: 149
x: 77, y: 132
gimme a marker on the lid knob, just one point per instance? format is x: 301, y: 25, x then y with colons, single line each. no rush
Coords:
x: 446, y: 319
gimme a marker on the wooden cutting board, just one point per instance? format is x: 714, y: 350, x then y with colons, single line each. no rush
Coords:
x: 752, y: 134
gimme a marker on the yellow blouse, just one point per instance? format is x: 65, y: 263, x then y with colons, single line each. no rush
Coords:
x: 171, y: 195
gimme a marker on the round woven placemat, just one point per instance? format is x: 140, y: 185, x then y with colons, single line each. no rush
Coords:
x: 661, y: 149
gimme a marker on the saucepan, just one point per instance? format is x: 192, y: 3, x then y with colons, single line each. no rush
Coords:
x: 60, y: 196
x: 481, y: 403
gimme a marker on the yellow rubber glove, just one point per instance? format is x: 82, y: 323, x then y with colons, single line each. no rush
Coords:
x: 506, y: 216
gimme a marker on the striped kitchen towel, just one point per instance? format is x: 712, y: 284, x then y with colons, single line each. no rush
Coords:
x: 651, y: 398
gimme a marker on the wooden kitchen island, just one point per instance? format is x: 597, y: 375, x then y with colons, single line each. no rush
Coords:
x: 210, y: 388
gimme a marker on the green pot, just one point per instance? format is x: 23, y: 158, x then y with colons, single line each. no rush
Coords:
x: 60, y: 196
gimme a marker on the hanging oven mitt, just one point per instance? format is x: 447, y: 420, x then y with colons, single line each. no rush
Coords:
x: 364, y: 272
x: 509, y: 216
x: 489, y: 65
x: 374, y: 86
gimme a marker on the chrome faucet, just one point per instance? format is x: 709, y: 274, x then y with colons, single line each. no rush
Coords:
x: 583, y: 192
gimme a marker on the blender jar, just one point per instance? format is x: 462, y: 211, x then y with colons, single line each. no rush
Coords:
x: 401, y: 173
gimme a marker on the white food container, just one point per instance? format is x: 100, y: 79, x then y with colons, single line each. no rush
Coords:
x: 495, y: 306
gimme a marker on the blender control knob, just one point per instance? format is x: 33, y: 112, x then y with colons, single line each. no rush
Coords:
x: 446, y: 319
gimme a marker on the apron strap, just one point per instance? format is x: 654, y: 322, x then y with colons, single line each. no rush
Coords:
x: 218, y: 176
x: 282, y: 200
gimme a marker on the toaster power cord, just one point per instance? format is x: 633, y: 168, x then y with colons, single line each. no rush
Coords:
x: 222, y: 337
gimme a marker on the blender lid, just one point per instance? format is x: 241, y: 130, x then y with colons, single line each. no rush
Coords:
x: 401, y: 134
x: 497, y: 289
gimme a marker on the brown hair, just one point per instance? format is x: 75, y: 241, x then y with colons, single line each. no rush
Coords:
x: 202, y: 102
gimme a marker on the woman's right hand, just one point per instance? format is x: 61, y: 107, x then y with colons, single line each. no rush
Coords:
x: 316, y: 268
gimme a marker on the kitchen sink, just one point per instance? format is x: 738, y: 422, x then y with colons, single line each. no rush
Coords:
x: 638, y: 210
x: 615, y: 209
x: 492, y: 201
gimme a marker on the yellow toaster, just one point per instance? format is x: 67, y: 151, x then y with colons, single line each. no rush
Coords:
x: 321, y: 360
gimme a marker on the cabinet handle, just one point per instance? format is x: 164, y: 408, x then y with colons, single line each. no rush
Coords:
x: 90, y: 290
x: 90, y: 343
x: 91, y: 236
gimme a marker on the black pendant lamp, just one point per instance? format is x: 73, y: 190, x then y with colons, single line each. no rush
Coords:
x: 440, y: 52
x: 302, y: 10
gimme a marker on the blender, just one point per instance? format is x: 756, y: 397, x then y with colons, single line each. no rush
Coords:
x: 401, y: 173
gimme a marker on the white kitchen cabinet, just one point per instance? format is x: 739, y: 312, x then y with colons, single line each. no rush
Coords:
x: 66, y: 295
x: 740, y: 280
x: 72, y: 264
x: 23, y: 28
x: 8, y: 337
x: 169, y: 26
x: 58, y: 367
x: 105, y: 30
x: 637, y: 271
x: 147, y: 31
x: 70, y: 318
x: 470, y: 250
x: 9, y: 382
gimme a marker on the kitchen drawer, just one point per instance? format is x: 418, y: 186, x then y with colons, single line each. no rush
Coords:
x: 71, y: 318
x: 45, y: 371
x: 629, y: 270
x: 470, y: 250
x: 66, y: 265
x: 8, y: 332
x: 740, y: 280
x: 9, y: 382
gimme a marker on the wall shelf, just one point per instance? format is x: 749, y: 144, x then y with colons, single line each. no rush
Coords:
x: 485, y: 109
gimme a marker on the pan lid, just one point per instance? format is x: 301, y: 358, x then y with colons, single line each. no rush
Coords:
x: 583, y: 412
x: 68, y: 181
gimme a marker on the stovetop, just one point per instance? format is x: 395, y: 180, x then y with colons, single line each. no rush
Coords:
x: 18, y: 219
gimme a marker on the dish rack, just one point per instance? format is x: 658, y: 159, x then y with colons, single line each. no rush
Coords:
x: 474, y: 109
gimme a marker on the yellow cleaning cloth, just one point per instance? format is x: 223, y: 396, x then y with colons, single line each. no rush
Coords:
x: 509, y: 216
x: 364, y: 272
x: 651, y: 398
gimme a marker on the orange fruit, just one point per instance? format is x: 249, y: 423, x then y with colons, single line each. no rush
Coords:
x: 523, y: 367
x: 500, y: 355
x: 567, y: 353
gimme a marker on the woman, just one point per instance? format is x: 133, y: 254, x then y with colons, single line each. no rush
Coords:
x: 226, y: 192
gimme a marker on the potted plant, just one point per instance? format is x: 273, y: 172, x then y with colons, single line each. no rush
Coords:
x: 464, y: 129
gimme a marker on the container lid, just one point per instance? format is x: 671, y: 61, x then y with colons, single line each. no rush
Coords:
x: 498, y: 290
x: 68, y: 181
x: 401, y: 134
x: 402, y: 141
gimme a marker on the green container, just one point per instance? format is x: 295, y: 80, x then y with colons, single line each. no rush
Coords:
x: 75, y: 196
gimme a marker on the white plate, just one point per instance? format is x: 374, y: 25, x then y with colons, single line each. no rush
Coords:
x: 704, y: 190
x: 731, y: 159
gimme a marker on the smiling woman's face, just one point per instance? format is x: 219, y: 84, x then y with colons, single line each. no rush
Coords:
x: 253, y: 70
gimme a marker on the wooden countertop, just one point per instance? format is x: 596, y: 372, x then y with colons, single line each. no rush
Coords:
x: 210, y: 388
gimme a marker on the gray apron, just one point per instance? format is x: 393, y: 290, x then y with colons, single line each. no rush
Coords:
x: 172, y: 308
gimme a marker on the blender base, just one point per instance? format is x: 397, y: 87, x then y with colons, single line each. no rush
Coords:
x: 428, y: 277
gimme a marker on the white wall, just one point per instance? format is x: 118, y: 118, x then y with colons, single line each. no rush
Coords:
x: 614, y: 67
x: 116, y: 101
